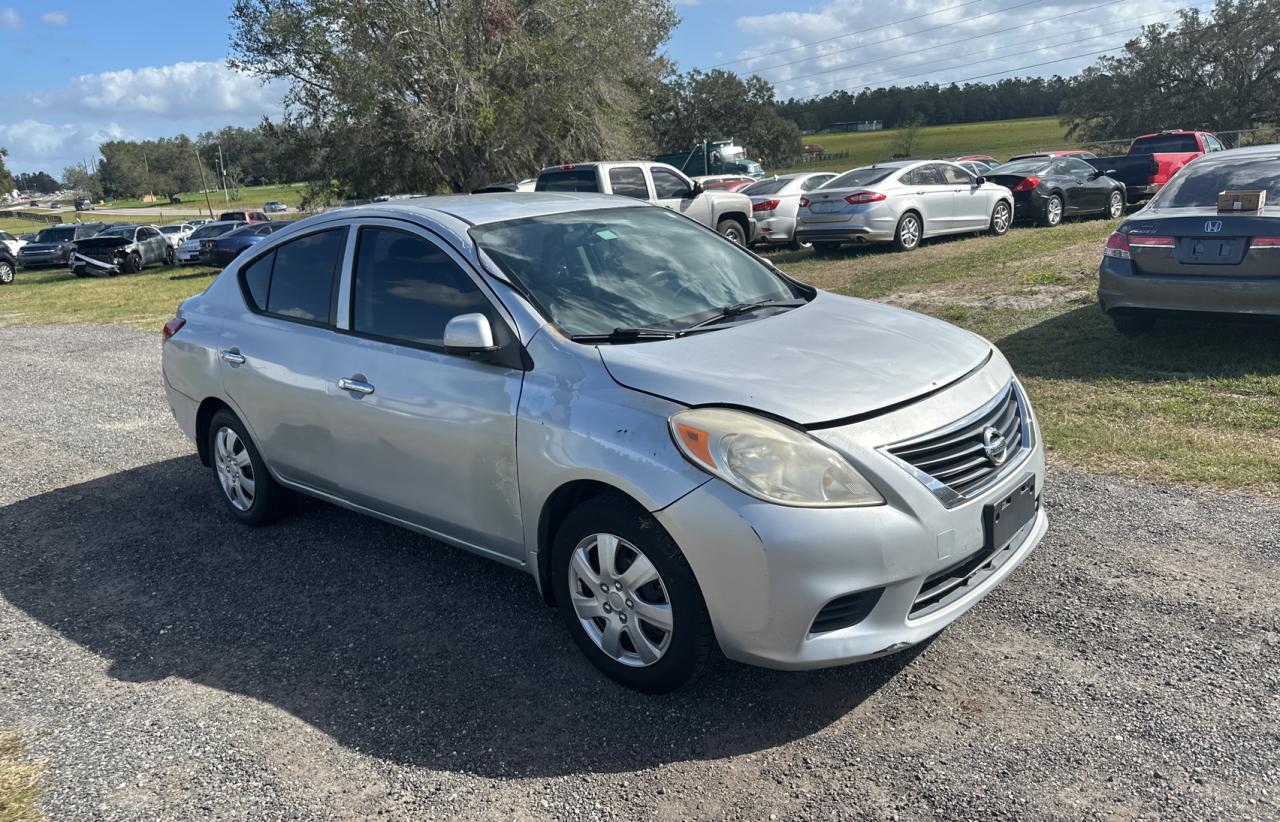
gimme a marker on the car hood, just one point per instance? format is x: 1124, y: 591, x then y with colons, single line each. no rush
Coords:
x: 97, y: 243
x: 835, y: 358
x: 42, y: 246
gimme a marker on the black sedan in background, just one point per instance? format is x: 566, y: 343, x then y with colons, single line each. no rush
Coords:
x: 222, y: 250
x: 1046, y: 189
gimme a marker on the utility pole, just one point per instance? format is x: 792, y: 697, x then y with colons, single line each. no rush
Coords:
x: 203, y: 184
x: 223, y: 168
x: 147, y: 166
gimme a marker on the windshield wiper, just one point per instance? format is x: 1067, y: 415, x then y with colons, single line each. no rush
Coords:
x: 730, y: 312
x: 618, y: 335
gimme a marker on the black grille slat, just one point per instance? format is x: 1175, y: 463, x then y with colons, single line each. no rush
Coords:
x: 958, y: 458
x: 845, y: 611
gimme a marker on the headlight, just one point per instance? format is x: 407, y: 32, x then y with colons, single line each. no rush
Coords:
x: 768, y: 460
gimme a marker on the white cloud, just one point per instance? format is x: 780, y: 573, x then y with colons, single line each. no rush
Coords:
x: 55, y: 127
x: 851, y: 44
x: 9, y: 18
x: 54, y: 18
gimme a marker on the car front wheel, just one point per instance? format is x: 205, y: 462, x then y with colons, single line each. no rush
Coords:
x: 6, y: 272
x: 628, y: 596
x: 1115, y: 205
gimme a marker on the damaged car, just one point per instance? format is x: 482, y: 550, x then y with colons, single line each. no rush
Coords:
x: 125, y: 249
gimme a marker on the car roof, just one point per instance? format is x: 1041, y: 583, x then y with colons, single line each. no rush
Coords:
x: 479, y: 209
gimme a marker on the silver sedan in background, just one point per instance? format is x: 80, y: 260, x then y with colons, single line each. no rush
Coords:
x: 775, y: 201
x: 902, y: 203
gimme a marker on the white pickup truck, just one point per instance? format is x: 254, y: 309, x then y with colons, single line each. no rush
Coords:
x: 725, y: 212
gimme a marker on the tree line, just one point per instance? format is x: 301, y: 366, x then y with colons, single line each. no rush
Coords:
x: 399, y: 95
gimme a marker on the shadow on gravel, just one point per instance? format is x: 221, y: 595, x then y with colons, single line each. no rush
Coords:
x: 393, y: 644
x: 1083, y: 344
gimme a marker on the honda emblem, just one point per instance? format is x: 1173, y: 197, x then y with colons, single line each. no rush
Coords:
x: 1212, y: 226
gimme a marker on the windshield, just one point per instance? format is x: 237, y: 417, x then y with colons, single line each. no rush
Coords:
x: 862, y: 177
x: 56, y: 235
x: 592, y: 272
x: 1020, y: 167
x: 122, y: 231
x: 1198, y: 184
x: 766, y: 187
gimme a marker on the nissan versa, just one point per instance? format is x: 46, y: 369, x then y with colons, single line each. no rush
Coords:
x: 687, y: 449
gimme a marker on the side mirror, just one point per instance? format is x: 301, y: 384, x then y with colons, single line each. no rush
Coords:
x: 468, y: 334
x: 1110, y: 172
x: 697, y: 189
x: 980, y: 181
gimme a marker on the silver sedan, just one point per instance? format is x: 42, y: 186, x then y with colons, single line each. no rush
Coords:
x: 684, y: 447
x: 902, y: 203
x: 775, y: 201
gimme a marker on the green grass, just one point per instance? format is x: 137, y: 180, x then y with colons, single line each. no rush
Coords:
x: 1000, y: 139
x: 19, y: 783
x: 55, y: 296
x: 1191, y: 402
x: 250, y: 197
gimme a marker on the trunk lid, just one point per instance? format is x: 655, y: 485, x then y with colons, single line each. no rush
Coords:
x: 835, y: 358
x: 1201, y: 242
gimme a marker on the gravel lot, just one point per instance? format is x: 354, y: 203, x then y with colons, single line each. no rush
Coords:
x: 170, y: 664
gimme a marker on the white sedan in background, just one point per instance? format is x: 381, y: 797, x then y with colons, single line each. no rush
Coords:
x: 902, y: 203
x: 177, y: 233
x: 775, y: 201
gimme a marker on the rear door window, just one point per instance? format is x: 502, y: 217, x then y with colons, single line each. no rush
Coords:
x: 406, y: 289
x: 297, y: 280
x: 628, y: 181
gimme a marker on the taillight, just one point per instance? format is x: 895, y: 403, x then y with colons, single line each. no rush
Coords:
x: 1117, y: 246
x: 1265, y: 242
x: 173, y: 327
x: 1151, y: 241
x: 804, y: 202
x: 864, y: 197
x: 767, y: 205
x: 1027, y: 184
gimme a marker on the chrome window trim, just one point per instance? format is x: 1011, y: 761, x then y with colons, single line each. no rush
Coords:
x: 945, y: 494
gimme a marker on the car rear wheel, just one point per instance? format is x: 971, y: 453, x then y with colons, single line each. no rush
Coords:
x: 6, y: 272
x: 1115, y: 204
x: 1001, y: 217
x: 731, y: 230
x: 248, y: 489
x: 628, y: 596
x: 1052, y: 213
x: 907, y: 237
x: 1131, y: 325
x: 799, y: 245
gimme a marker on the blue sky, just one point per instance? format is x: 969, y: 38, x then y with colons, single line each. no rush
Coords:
x: 78, y: 72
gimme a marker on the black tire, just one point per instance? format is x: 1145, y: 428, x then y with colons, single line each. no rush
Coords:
x: 1133, y: 324
x: 692, y: 649
x: 1001, y: 219
x: 825, y: 249
x: 132, y: 264
x: 1051, y: 212
x: 732, y: 231
x: 6, y: 272
x: 909, y: 232
x: 169, y: 256
x: 1115, y: 205
x: 798, y: 245
x: 269, y: 498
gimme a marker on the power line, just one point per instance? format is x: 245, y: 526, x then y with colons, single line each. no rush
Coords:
x: 906, y: 35
x: 845, y: 34
x: 1157, y: 19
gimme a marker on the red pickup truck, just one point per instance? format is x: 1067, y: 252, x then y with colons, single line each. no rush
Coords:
x: 1153, y: 159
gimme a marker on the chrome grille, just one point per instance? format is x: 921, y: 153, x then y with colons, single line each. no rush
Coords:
x: 957, y: 460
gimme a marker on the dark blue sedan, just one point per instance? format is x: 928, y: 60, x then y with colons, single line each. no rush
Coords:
x: 222, y: 250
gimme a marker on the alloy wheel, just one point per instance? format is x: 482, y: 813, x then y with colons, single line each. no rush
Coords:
x: 1116, y: 204
x: 1053, y: 211
x: 734, y: 235
x: 910, y: 231
x: 6, y: 273
x: 620, y: 599
x: 235, y: 469
x: 1000, y: 220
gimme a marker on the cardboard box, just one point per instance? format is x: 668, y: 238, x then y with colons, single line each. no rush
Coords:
x: 1242, y: 200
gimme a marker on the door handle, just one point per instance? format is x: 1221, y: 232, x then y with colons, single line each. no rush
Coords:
x: 357, y: 385
x: 233, y: 356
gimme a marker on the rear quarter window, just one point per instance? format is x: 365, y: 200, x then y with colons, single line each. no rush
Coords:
x: 297, y: 280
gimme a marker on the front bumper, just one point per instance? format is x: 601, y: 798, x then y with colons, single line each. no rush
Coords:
x: 41, y: 260
x: 1120, y: 289
x: 766, y: 571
